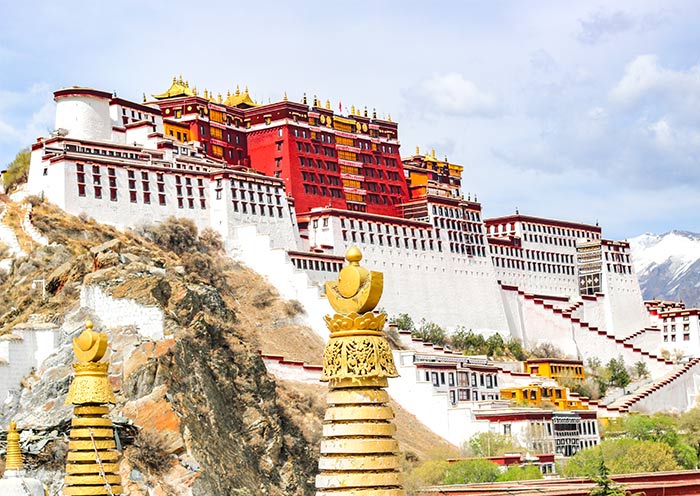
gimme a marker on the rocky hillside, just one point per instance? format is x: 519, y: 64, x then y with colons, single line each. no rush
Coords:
x: 668, y: 266
x: 197, y: 412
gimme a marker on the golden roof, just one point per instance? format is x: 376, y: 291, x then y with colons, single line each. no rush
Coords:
x: 177, y: 88
x: 238, y: 99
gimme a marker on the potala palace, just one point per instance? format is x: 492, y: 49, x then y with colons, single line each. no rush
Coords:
x: 291, y: 185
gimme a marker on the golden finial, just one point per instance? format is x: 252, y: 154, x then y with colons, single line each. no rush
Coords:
x: 238, y: 90
x: 303, y: 100
x: 246, y: 89
x: 365, y: 112
x: 206, y: 93
x: 352, y: 110
x: 228, y: 93
x: 144, y: 98
x: 13, y: 458
x: 218, y: 98
x: 180, y: 80
x: 92, y: 462
x: 315, y: 101
x: 174, y: 79
x: 357, y: 290
x: 417, y: 150
x: 389, y: 118
x: 187, y: 84
x: 433, y: 152
x: 328, y: 104
x: 284, y: 98
x: 194, y: 91
x: 374, y: 113
x: 357, y: 363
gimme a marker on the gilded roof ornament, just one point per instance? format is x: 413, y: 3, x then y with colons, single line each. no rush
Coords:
x: 303, y: 100
x: 178, y: 88
x: 389, y: 118
x: 374, y: 113
x: 284, y: 98
x: 328, y: 104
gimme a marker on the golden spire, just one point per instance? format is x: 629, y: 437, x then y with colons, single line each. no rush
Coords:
x: 246, y: 89
x: 144, y: 98
x: 187, y: 84
x: 365, y: 112
x: 358, y: 449
x: 180, y: 80
x: 303, y: 100
x: 91, y: 467
x: 374, y: 113
x: 389, y: 118
x: 315, y: 101
x: 194, y: 91
x: 238, y: 90
x: 13, y: 459
x: 352, y: 110
x: 218, y: 98
x: 328, y: 104
x: 228, y: 93
x: 284, y: 98
x: 417, y: 150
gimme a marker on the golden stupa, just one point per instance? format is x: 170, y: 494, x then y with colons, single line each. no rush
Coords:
x: 92, y: 467
x: 358, y: 449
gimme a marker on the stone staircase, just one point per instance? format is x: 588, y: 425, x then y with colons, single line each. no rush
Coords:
x: 647, y: 393
x: 255, y: 250
x: 30, y: 230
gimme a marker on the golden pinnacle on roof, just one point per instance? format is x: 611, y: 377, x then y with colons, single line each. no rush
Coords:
x: 228, y: 93
x: 144, y: 98
x: 389, y: 118
x: 238, y: 90
x: 417, y: 150
x: 352, y: 110
x: 365, y: 112
x: 92, y: 462
x: 194, y: 91
x: 315, y: 101
x: 303, y: 100
x: 374, y: 113
x: 13, y: 458
x: 328, y: 104
x: 358, y: 449
x: 218, y: 98
x: 284, y: 98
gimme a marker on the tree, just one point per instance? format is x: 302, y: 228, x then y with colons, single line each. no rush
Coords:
x: 430, y: 332
x: 689, y: 425
x: 17, y: 170
x: 546, y: 350
x: 468, y: 342
x: 624, y: 456
x: 495, y: 345
x: 489, y: 444
x: 403, y: 321
x: 641, y: 370
x: 515, y: 347
x: 605, y: 486
x: 516, y: 473
x: 469, y: 471
x: 618, y: 372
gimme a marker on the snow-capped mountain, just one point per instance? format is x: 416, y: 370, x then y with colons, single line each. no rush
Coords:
x: 668, y: 266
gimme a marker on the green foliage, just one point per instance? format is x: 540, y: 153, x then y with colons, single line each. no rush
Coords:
x: 403, y: 321
x: 689, y: 425
x: 640, y: 370
x: 624, y: 456
x: 605, y: 486
x: 470, y: 471
x: 428, y: 473
x: 430, y: 332
x: 685, y: 455
x: 516, y: 349
x: 658, y: 427
x: 489, y: 443
x: 17, y: 170
x: 618, y: 373
x: 470, y: 343
x: 516, y: 473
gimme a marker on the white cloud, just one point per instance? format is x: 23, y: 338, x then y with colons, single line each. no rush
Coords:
x: 453, y: 94
x: 645, y: 77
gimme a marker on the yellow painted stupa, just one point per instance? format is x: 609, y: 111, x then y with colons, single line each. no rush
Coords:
x: 91, y: 468
x: 359, y: 454
x: 14, y: 482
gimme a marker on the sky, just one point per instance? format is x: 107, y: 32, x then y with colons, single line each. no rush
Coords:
x: 585, y: 111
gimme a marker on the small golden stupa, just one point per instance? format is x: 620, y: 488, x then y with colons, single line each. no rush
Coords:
x: 14, y: 482
x: 92, y: 467
x: 358, y: 449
